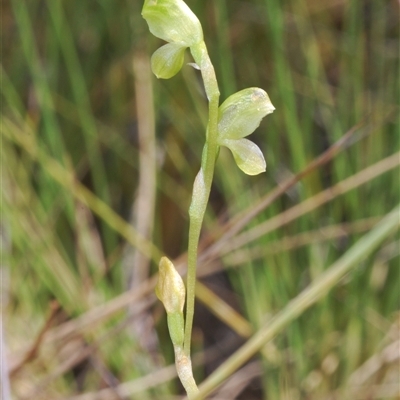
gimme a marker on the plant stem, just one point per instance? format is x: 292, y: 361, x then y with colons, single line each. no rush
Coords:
x: 185, y: 373
x: 200, y: 200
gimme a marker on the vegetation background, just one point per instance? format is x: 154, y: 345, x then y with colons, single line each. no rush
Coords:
x: 97, y: 163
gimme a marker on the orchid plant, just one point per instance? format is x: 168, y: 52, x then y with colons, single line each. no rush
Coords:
x: 228, y: 125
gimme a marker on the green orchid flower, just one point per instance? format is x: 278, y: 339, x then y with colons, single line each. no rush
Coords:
x: 239, y: 116
x: 174, y: 22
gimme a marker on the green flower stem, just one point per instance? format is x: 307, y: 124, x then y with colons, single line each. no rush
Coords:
x: 239, y: 115
x: 200, y: 196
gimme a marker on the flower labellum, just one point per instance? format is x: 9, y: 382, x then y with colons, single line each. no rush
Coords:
x: 247, y: 155
x: 167, y: 61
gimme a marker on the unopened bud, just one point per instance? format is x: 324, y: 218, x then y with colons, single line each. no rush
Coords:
x: 170, y: 288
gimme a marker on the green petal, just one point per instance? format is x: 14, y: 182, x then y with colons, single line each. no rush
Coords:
x: 247, y: 155
x: 172, y: 21
x: 241, y: 113
x: 167, y: 60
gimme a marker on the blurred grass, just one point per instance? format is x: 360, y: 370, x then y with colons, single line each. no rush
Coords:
x: 70, y: 175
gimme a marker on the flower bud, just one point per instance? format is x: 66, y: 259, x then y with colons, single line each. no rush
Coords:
x: 241, y: 113
x: 167, y: 60
x: 172, y: 21
x: 170, y: 288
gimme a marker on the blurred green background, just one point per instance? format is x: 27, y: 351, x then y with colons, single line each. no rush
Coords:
x: 98, y: 161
